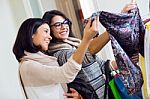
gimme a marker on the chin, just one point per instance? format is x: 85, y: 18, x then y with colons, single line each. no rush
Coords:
x: 45, y: 49
x: 64, y: 37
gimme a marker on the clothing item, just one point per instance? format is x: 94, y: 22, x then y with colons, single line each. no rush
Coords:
x: 43, y: 78
x: 127, y: 40
x: 85, y: 89
x: 127, y: 28
x: 91, y: 71
x: 147, y: 57
x: 130, y: 74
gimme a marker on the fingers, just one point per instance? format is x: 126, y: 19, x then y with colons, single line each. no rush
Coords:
x: 133, y: 1
x: 73, y: 90
x: 129, y: 7
x: 88, y: 23
x: 74, y: 94
x: 114, y: 65
x: 96, y: 24
x: 135, y: 58
x: 91, y: 29
x: 69, y: 94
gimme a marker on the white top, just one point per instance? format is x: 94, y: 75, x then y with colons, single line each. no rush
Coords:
x: 54, y: 91
x: 43, y: 78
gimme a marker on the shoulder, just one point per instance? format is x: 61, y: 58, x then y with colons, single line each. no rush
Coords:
x: 64, y: 52
x: 28, y: 65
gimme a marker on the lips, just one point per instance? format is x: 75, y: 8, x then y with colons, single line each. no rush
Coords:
x: 64, y: 32
x: 47, y: 41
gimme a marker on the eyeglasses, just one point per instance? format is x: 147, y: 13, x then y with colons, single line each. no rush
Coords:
x: 58, y: 25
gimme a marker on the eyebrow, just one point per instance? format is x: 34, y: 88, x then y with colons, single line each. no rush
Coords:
x: 59, y: 21
x: 46, y: 29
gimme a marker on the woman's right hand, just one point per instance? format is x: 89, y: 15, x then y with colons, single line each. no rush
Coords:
x: 91, y: 29
x: 73, y: 95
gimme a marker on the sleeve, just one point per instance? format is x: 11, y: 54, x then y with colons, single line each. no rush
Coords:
x: 63, y: 55
x: 42, y: 74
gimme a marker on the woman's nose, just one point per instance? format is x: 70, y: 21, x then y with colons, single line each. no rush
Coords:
x: 63, y: 26
x: 50, y: 37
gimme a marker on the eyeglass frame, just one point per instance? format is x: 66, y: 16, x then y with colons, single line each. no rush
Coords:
x: 60, y: 24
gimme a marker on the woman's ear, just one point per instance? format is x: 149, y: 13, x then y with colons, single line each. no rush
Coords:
x: 32, y: 36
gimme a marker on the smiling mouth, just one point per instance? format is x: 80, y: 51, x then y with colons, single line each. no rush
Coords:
x: 47, y: 41
x: 64, y: 32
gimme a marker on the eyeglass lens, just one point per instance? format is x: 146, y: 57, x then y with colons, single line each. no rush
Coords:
x: 60, y: 24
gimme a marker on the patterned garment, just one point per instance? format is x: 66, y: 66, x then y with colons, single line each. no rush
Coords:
x: 127, y: 28
x: 91, y: 72
x: 127, y: 39
x: 130, y: 74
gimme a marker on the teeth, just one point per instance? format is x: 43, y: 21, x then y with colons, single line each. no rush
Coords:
x: 62, y: 32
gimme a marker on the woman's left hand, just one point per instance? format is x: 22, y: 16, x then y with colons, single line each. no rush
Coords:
x: 129, y: 7
x: 74, y: 94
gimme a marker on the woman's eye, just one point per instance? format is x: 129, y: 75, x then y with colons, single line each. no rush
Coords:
x: 46, y: 31
x: 58, y: 24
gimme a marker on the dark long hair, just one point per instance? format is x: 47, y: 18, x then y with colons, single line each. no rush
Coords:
x: 24, y: 37
x: 50, y: 14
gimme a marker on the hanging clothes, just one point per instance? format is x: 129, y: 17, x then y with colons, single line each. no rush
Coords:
x: 147, y: 57
x: 127, y: 38
x: 127, y: 28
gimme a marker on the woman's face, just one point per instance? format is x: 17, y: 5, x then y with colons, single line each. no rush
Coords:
x: 42, y: 37
x: 60, y: 27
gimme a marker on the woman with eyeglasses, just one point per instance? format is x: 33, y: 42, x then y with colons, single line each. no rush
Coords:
x: 41, y: 75
x: 90, y: 82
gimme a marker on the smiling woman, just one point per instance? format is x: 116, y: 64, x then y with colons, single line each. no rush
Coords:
x: 42, y: 37
x: 16, y: 12
x: 41, y: 76
x: 60, y: 27
x: 63, y: 45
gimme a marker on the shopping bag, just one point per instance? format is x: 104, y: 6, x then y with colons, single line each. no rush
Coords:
x: 114, y: 89
x: 122, y: 90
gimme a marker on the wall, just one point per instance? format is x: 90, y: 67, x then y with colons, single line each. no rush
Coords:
x: 48, y: 5
x: 13, y: 13
x: 10, y: 17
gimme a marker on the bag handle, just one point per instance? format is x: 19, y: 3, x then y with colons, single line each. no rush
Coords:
x: 107, y: 72
x: 22, y: 85
x: 110, y: 72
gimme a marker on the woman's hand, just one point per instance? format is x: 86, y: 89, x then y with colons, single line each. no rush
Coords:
x: 90, y: 32
x: 114, y: 65
x: 91, y: 28
x: 74, y: 94
x: 146, y: 20
x: 129, y: 7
